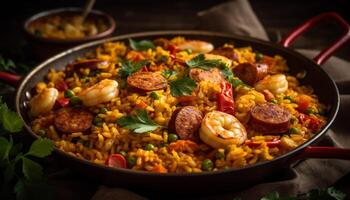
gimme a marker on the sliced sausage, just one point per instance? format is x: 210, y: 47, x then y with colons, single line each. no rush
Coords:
x: 228, y: 52
x: 213, y: 75
x: 270, y: 118
x: 185, y: 122
x: 70, y: 120
x: 250, y: 73
x: 147, y: 81
x: 91, y: 64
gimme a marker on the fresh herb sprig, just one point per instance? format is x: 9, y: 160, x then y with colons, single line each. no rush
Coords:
x: 8, y: 65
x: 142, y: 45
x: 182, y: 87
x: 168, y: 73
x: 200, y: 62
x: 130, y: 67
x: 138, y: 123
x: 16, y: 166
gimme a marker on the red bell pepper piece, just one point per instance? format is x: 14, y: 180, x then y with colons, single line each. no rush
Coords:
x: 314, y: 123
x: 61, y: 86
x: 270, y: 144
x: 173, y: 49
x: 225, y: 99
x: 144, y: 69
x: 63, y: 102
x: 116, y: 160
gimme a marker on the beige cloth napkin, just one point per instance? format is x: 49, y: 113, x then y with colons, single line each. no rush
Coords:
x: 237, y: 17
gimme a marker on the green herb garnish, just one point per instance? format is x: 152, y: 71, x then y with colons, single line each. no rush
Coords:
x: 168, y: 73
x: 200, y: 62
x: 129, y: 67
x: 139, y: 123
x: 182, y: 87
x: 142, y: 45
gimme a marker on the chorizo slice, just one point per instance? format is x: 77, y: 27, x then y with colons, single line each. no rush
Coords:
x: 213, y: 75
x: 185, y: 122
x: 70, y: 120
x: 91, y: 64
x: 270, y: 118
x: 147, y: 81
x: 251, y: 73
x: 228, y: 52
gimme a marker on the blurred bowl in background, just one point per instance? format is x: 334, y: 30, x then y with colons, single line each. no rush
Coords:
x: 53, y: 31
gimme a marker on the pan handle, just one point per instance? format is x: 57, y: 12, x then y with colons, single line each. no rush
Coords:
x: 327, y: 52
x: 11, y: 79
x: 322, y: 152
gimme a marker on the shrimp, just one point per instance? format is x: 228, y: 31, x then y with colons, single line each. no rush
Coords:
x: 196, y: 46
x: 219, y: 129
x: 101, y: 92
x: 43, y: 102
x: 276, y: 84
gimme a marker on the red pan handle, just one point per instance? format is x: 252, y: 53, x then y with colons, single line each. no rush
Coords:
x: 326, y: 53
x: 323, y: 152
x: 10, y: 79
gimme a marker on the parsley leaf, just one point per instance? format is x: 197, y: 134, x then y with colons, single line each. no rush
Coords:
x: 31, y: 170
x: 329, y: 193
x: 9, y: 119
x: 129, y: 67
x: 41, y: 148
x: 142, y: 45
x: 139, y: 123
x: 5, y: 147
x: 276, y: 196
x: 168, y: 73
x: 182, y: 87
x: 200, y: 62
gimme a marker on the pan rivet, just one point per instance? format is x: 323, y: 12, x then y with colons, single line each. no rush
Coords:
x: 28, y: 95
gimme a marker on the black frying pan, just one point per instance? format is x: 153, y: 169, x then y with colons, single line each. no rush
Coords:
x: 323, y: 86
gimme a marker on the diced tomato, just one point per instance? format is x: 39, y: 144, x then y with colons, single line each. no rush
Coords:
x: 116, y: 160
x: 303, y: 102
x: 61, y: 86
x: 159, y: 169
x: 225, y: 99
x: 144, y: 69
x: 141, y: 105
x: 63, y: 102
x: 314, y: 123
x: 184, y: 99
x: 172, y: 49
x: 270, y: 144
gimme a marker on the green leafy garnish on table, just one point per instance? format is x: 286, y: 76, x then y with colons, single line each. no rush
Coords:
x: 182, y: 87
x: 8, y: 65
x: 138, y: 123
x: 200, y: 62
x: 16, y: 165
x: 142, y: 45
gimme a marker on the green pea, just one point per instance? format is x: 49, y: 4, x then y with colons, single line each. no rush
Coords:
x: 149, y: 147
x: 207, y: 165
x: 131, y: 160
x: 219, y: 155
x: 41, y: 132
x: 74, y: 100
x: 103, y: 110
x: 258, y: 56
x: 154, y: 95
x: 289, y: 98
x: 274, y: 101
x: 97, y: 121
x: 123, y: 153
x: 68, y: 94
x: 310, y: 111
x: 189, y: 51
x: 294, y: 130
x: 172, y: 137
